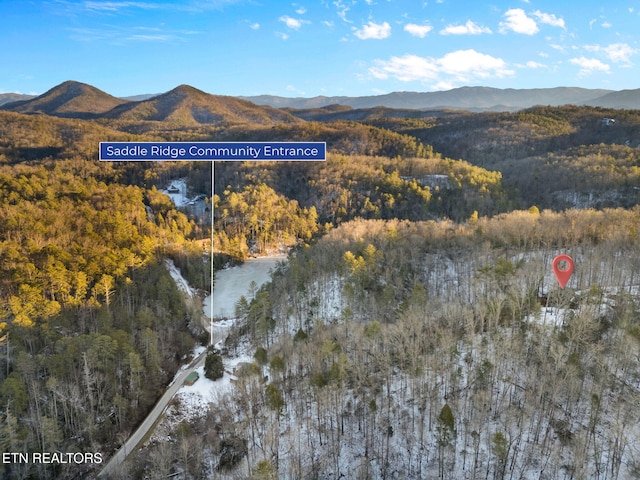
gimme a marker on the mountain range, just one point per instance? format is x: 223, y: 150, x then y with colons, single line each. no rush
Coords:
x: 188, y: 105
x: 464, y: 98
x: 469, y: 98
x: 183, y: 105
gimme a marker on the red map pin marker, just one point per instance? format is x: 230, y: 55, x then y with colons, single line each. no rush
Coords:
x: 563, y: 268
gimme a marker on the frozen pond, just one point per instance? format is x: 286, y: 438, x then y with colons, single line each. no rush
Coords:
x: 232, y: 283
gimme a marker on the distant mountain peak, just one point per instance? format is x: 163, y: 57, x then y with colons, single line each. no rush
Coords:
x: 68, y: 99
x: 188, y: 105
x: 7, y: 98
x: 184, y: 91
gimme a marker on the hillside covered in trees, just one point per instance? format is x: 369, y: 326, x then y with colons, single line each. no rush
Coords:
x: 441, y: 350
x: 415, y: 331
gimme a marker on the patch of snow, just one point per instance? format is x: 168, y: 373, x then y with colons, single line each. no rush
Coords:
x: 549, y: 316
x: 193, y: 401
x: 181, y: 282
x: 204, y: 390
x: 177, y: 192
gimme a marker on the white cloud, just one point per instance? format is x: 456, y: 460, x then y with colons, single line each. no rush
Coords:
x: 558, y: 47
x: 441, y: 86
x: 606, y: 25
x: 549, y: 19
x: 342, y: 10
x: 293, y: 23
x: 467, y: 64
x: 301, y: 10
x: 589, y: 65
x: 109, y: 7
x: 373, y: 31
x: 148, y: 37
x: 531, y: 64
x: 407, y: 68
x: 123, y: 36
x: 616, y: 52
x: 517, y: 21
x: 115, y: 6
x: 293, y: 89
x: 255, y: 26
x: 620, y: 52
x: 461, y: 66
x: 418, y: 30
x: 469, y: 28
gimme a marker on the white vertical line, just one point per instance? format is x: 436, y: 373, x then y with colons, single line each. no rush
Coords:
x: 212, y: 218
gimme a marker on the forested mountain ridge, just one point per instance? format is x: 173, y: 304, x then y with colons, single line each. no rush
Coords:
x: 463, y: 98
x: 467, y: 98
x: 182, y: 105
x: 69, y: 99
x: 554, y: 157
x: 187, y: 105
x: 599, y: 149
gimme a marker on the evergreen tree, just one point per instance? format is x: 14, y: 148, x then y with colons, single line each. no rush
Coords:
x: 213, y: 366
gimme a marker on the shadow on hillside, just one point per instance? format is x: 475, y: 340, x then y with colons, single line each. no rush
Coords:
x: 21, y: 154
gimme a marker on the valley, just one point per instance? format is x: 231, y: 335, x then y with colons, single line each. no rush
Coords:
x: 414, y: 331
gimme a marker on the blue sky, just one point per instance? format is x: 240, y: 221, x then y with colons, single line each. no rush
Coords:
x: 320, y: 47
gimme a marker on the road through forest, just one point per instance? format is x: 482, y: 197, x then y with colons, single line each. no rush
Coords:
x: 231, y: 284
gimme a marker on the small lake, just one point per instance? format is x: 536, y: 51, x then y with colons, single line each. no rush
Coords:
x: 232, y: 283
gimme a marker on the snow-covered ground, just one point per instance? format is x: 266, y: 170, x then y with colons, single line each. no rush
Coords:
x: 181, y: 282
x: 193, y: 401
x: 179, y: 197
x: 204, y: 391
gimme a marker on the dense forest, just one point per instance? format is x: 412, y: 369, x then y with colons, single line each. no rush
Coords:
x: 415, y: 331
x: 92, y: 324
x: 554, y: 157
x: 435, y: 349
x: 442, y: 350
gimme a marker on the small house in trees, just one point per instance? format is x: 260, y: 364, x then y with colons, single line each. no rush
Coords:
x: 432, y: 181
x: 173, y: 189
x: 191, y: 379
